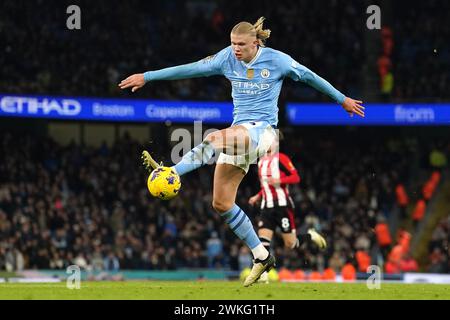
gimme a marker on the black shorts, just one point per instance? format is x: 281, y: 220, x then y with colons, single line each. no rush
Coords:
x: 282, y: 217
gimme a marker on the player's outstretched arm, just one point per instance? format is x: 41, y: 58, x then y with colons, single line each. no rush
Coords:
x: 255, y: 199
x: 299, y: 72
x: 192, y: 70
x: 354, y: 106
x: 350, y: 105
x: 135, y: 82
x: 204, y: 68
x: 291, y: 177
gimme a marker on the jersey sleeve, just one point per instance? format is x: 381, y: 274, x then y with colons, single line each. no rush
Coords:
x: 210, y: 66
x: 298, y: 72
x: 293, y: 176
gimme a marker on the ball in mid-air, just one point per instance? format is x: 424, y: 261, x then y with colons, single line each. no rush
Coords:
x: 273, y: 275
x: 164, y: 183
x: 244, y: 274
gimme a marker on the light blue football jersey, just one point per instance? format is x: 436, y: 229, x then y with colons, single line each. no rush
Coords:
x: 256, y: 85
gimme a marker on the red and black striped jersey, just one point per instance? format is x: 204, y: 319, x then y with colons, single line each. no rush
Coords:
x: 276, y: 166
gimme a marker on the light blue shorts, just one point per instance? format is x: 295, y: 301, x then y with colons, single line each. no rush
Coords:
x: 262, y: 135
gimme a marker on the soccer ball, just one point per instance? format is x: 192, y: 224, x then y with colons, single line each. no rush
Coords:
x: 245, y: 273
x: 273, y: 275
x: 164, y: 183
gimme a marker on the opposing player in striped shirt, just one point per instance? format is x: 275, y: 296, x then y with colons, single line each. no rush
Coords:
x: 276, y: 172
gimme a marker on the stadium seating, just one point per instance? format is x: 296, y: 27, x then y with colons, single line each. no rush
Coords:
x: 91, y: 63
x: 65, y: 204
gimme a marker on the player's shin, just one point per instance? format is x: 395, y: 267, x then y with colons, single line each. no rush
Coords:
x: 196, y: 158
x: 241, y: 225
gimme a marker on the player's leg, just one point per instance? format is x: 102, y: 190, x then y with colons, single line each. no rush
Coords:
x: 289, y: 233
x: 266, y: 226
x: 265, y: 236
x: 232, y: 141
x: 292, y: 241
x: 227, y: 179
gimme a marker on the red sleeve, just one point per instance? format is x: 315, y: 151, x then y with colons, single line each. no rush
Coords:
x: 292, y: 177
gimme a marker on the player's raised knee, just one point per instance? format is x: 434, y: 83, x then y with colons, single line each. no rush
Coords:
x: 214, y: 138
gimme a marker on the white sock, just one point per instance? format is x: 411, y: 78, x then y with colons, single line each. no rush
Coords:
x: 260, y: 252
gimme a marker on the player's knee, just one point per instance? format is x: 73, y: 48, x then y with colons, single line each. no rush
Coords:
x: 222, y: 206
x: 214, y: 138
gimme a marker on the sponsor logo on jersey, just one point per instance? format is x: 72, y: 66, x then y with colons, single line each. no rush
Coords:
x: 250, y: 85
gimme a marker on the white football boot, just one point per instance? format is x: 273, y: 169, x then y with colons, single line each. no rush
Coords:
x: 317, y: 239
x: 259, y: 267
x: 264, y: 278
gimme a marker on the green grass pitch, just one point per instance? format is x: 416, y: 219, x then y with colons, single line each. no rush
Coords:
x: 221, y: 290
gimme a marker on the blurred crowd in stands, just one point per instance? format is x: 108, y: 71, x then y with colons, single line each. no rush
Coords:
x: 421, y: 55
x: 63, y: 205
x: 439, y: 257
x: 41, y: 56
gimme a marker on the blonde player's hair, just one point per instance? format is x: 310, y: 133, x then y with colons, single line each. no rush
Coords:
x: 255, y: 30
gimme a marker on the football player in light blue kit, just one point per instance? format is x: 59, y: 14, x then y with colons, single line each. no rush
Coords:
x: 256, y: 74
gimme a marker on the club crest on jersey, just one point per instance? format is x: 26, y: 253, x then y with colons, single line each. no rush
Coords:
x: 250, y: 74
x: 265, y: 73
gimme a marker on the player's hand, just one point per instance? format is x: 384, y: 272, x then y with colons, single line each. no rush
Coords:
x: 274, y: 181
x: 354, y: 107
x: 254, y: 200
x: 135, y: 82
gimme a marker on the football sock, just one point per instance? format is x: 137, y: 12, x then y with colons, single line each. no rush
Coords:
x: 260, y: 252
x: 196, y: 158
x: 241, y: 225
x: 265, y: 242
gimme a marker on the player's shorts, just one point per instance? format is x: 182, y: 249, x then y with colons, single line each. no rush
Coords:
x: 282, y: 217
x: 262, y: 135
